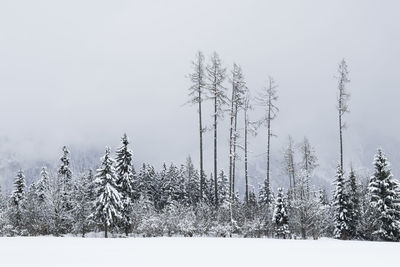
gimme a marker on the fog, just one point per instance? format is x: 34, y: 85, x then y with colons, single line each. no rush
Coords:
x: 82, y: 73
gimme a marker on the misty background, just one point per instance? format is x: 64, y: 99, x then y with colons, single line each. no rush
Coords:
x: 81, y: 73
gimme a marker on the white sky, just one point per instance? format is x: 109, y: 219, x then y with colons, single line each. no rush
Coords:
x: 83, y: 72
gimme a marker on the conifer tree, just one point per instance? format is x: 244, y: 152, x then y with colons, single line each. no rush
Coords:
x: 83, y: 205
x: 385, y: 200
x: 44, y: 202
x: 64, y: 203
x: 108, y: 202
x: 354, y: 205
x: 341, y: 207
x: 17, y: 202
x: 125, y: 181
x: 280, y: 217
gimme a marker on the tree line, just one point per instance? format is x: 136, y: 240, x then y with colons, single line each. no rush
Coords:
x: 183, y: 200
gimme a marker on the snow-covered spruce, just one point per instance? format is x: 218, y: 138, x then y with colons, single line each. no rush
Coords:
x: 125, y: 176
x: 280, y: 217
x: 108, y: 202
x: 341, y: 207
x: 385, y: 200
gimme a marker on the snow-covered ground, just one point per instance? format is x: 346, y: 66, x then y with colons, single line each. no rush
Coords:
x: 76, y: 252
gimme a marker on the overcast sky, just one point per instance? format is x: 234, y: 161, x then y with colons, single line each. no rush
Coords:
x: 82, y: 73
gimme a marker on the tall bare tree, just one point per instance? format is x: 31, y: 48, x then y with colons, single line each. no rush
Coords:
x: 198, y: 80
x: 216, y: 75
x: 248, y: 128
x: 237, y: 102
x: 343, y: 106
x: 266, y: 99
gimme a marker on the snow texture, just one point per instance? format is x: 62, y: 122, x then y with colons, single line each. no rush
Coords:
x: 121, y: 252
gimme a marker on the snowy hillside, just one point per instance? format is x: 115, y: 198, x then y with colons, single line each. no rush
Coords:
x: 87, y: 252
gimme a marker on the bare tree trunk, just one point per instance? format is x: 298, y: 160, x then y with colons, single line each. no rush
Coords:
x: 105, y: 230
x: 234, y: 151
x: 201, y: 150
x: 231, y: 144
x: 246, y: 121
x: 215, y: 153
x: 340, y: 141
x: 268, y: 144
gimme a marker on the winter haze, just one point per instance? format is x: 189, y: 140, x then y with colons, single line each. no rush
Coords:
x: 81, y: 73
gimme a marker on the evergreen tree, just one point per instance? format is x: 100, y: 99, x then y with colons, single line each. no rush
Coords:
x: 223, y: 188
x: 341, y: 207
x: 83, y: 205
x: 64, y: 204
x: 385, y: 200
x: 125, y: 181
x: 108, y: 202
x: 280, y: 217
x: 354, y: 205
x: 17, y: 203
x: 193, y: 180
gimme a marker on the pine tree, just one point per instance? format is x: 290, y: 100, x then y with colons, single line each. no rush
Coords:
x: 108, y: 202
x: 193, y: 181
x: 341, y: 207
x: 223, y: 188
x: 280, y: 217
x: 44, y: 202
x: 125, y: 181
x: 64, y: 205
x: 354, y: 205
x: 17, y: 202
x: 385, y: 200
x: 83, y: 205
x: 289, y: 166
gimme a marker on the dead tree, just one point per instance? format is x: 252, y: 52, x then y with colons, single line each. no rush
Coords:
x: 237, y: 101
x: 216, y: 75
x: 342, y: 106
x: 197, y: 78
x: 267, y: 99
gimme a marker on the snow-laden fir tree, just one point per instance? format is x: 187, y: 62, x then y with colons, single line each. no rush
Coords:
x: 341, y: 207
x: 108, y: 204
x: 125, y: 181
x: 223, y: 187
x: 44, y: 202
x: 280, y: 216
x: 17, y: 202
x: 192, y: 179
x: 83, y: 205
x: 216, y: 75
x: 354, y: 205
x: 385, y: 200
x: 63, y: 203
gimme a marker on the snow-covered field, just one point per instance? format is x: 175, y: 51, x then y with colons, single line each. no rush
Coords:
x: 71, y: 251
